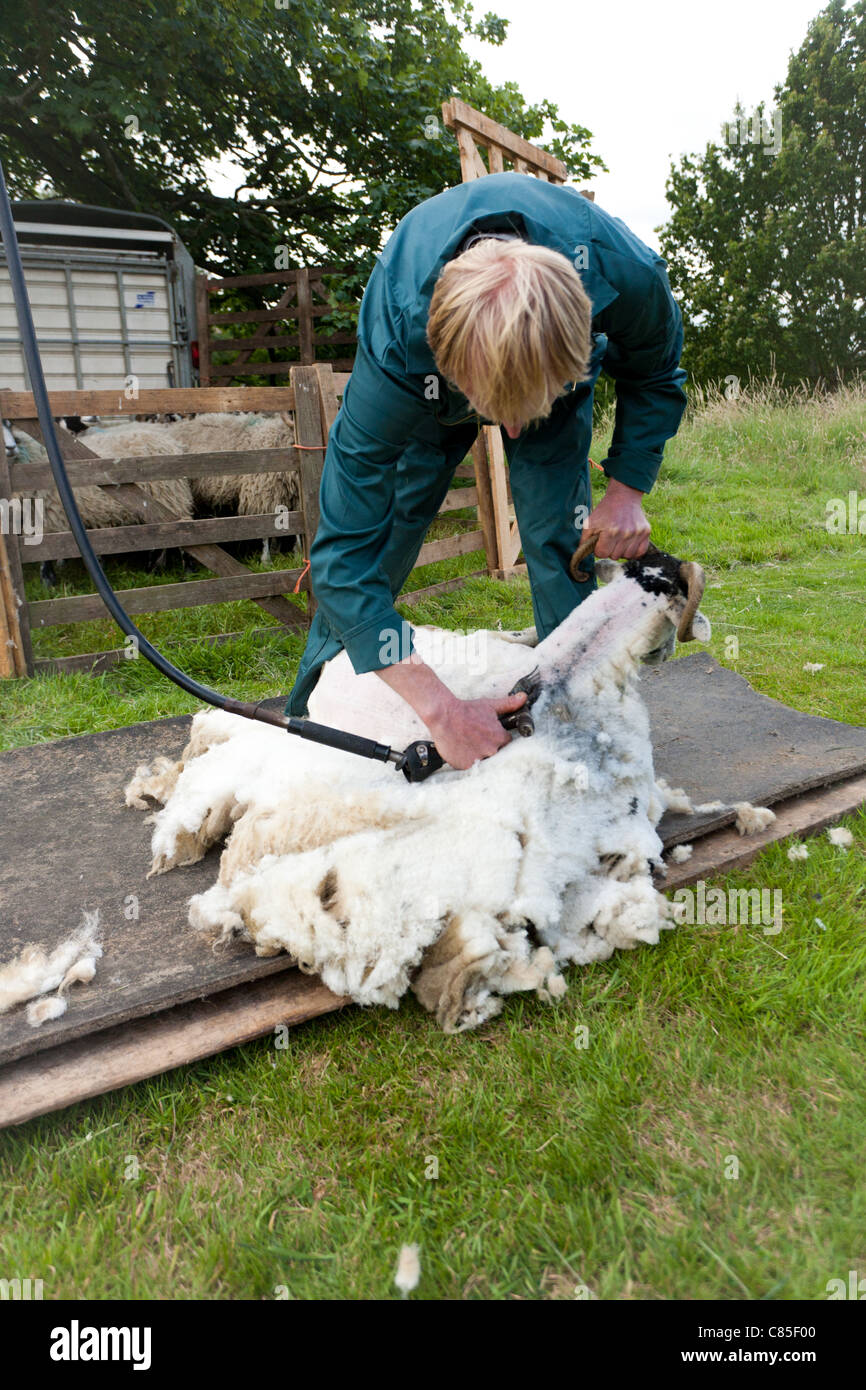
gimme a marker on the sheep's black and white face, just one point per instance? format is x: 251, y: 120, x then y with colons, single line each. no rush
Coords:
x: 659, y: 574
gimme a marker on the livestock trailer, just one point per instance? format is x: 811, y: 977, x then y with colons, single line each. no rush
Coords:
x: 112, y: 294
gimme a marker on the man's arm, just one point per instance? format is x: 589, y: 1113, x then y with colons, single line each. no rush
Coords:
x: 356, y: 502
x: 644, y: 327
x: 645, y: 338
x: 463, y: 730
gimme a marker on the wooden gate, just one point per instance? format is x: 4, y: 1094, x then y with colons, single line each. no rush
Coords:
x: 302, y: 307
x: 158, y: 529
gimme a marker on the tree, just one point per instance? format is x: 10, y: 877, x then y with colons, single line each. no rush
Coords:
x: 330, y: 109
x: 766, y: 245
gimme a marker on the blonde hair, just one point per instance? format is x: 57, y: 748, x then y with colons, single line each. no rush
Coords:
x: 509, y: 325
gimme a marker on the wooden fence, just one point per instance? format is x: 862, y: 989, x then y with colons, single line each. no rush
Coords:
x: 312, y: 399
x: 297, y: 321
x: 200, y: 538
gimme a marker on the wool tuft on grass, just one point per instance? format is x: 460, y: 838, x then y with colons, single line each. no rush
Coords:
x: 839, y: 835
x: 408, y: 1269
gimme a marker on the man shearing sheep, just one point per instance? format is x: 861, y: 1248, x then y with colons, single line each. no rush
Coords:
x: 499, y: 302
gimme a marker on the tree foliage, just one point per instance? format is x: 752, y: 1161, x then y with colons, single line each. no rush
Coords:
x: 325, y: 108
x: 767, y: 247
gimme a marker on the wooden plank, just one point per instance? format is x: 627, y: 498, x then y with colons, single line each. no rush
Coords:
x: 119, y: 1056
x: 214, y: 558
x: 13, y: 595
x: 724, y: 850
x: 161, y: 598
x: 328, y: 402
x: 202, y: 310
x: 182, y: 400
x: 484, y: 494
x: 457, y: 498
x: 305, y: 319
x: 499, y: 494
x: 324, y: 310
x: 91, y: 471
x: 443, y: 587
x: 241, y: 344
x: 456, y: 114
x: 230, y: 316
x: 228, y: 369
x: 119, y: 540
x: 472, y: 166
x: 94, y: 662
x: 274, y: 277
x: 9, y: 666
x: 448, y: 547
x: 12, y: 651
x: 494, y: 159
x: 515, y: 544
x: 511, y: 571
x: 273, y: 316
x: 309, y: 434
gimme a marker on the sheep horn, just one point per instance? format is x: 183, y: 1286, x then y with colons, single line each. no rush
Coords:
x: 692, y: 576
x: 587, y: 543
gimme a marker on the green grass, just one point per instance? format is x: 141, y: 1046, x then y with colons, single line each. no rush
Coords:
x: 560, y: 1167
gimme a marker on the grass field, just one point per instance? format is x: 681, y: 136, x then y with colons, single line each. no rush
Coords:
x: 706, y: 1143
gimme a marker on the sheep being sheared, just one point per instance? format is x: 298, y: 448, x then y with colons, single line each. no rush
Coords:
x: 473, y: 884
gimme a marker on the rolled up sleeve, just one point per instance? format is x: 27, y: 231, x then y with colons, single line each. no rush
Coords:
x: 644, y: 327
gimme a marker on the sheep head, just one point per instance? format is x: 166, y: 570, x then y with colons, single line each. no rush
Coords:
x: 657, y: 572
x: 636, y: 617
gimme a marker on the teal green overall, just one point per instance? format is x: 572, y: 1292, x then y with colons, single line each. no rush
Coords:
x: 401, y: 430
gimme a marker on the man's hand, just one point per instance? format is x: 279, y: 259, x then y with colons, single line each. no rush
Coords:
x: 470, y: 729
x: 464, y: 731
x: 623, y: 530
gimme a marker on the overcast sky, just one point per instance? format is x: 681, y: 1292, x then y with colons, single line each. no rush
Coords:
x: 650, y: 81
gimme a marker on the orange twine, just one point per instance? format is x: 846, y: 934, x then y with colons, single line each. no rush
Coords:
x: 301, y: 577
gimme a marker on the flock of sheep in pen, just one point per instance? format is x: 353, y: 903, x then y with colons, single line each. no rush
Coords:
x: 250, y: 494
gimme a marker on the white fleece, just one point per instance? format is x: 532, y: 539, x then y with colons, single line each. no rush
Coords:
x: 465, y: 887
